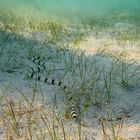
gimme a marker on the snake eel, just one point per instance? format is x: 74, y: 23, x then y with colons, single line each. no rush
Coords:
x: 33, y: 74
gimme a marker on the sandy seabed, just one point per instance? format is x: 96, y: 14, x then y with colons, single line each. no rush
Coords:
x: 125, y: 103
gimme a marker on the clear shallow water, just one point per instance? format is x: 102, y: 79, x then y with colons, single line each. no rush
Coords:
x: 71, y: 8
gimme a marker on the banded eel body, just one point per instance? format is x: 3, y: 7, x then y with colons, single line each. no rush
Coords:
x: 37, y: 60
x: 34, y: 74
x: 74, y: 109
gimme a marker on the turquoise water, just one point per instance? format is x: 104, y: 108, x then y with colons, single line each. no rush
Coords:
x: 72, y: 8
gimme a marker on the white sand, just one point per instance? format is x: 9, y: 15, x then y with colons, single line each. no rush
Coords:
x: 124, y: 103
